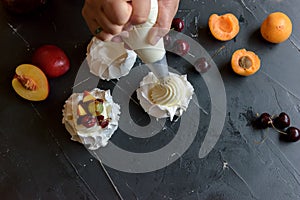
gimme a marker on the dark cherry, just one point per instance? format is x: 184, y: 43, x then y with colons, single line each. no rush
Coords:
x: 181, y: 47
x: 177, y: 24
x: 88, y: 121
x: 100, y: 118
x: 201, y: 65
x: 264, y: 121
x: 104, y: 123
x: 282, y: 121
x: 168, y: 43
x: 99, y: 100
x: 292, y: 134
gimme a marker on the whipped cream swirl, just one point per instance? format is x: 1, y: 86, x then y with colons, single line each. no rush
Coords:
x: 168, y: 93
x: 165, y: 99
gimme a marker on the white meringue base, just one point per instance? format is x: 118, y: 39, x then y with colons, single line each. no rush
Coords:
x: 183, y: 91
x: 95, y: 136
x: 109, y: 60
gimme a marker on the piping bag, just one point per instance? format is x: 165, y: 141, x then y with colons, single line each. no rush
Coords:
x: 154, y: 56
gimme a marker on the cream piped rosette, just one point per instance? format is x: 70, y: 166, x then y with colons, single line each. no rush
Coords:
x: 95, y: 136
x: 166, y: 99
x: 109, y: 60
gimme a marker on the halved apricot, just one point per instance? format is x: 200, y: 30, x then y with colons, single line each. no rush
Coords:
x: 30, y: 83
x: 224, y: 27
x: 276, y: 28
x: 245, y: 62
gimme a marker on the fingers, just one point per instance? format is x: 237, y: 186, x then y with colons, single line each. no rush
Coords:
x: 166, y: 11
x: 140, y: 11
x: 118, y: 11
x: 114, y: 16
x: 156, y: 33
x: 107, y: 26
x: 110, y: 16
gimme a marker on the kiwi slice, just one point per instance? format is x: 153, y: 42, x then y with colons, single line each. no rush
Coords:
x: 95, y: 108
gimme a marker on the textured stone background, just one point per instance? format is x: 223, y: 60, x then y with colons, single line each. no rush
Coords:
x: 38, y: 160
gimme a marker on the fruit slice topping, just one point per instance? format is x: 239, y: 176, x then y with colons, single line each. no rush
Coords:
x: 30, y: 83
x: 104, y: 123
x: 95, y: 108
x: 80, y: 110
x: 91, y: 111
x: 87, y: 97
x: 88, y: 121
x: 100, y: 118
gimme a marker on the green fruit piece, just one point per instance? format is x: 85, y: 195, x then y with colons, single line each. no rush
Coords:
x: 95, y: 108
x: 99, y: 108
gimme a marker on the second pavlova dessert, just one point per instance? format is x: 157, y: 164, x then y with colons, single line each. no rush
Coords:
x: 165, y: 99
x: 109, y: 60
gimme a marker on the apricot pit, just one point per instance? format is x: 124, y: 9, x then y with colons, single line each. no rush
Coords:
x: 245, y: 62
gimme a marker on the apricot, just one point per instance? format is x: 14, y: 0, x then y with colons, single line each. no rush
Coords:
x: 224, y: 27
x: 245, y: 62
x: 276, y: 28
x: 30, y: 82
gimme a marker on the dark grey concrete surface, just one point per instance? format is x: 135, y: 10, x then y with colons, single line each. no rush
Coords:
x: 39, y: 161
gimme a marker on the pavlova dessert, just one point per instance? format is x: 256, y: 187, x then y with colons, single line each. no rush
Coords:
x: 165, y: 99
x: 109, y: 60
x: 91, y: 117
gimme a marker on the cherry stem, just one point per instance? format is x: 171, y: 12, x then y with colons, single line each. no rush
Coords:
x: 276, y: 129
x: 216, y: 53
x: 191, y: 54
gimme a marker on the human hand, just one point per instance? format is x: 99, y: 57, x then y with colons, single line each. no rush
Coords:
x: 107, y: 18
x: 114, y: 16
x: 166, y: 12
